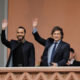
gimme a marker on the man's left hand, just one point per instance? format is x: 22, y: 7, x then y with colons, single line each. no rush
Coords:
x: 54, y: 64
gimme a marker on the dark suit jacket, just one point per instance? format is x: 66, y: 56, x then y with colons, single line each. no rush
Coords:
x: 75, y: 63
x: 28, y: 50
x: 61, y: 55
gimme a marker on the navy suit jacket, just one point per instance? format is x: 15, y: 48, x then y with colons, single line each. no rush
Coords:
x: 75, y: 63
x: 61, y: 55
x: 28, y: 51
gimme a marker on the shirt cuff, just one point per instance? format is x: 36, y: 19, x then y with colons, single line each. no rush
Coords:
x: 56, y: 64
x: 34, y: 30
x: 3, y: 31
x: 72, y: 61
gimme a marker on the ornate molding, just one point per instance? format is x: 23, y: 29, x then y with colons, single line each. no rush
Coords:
x: 40, y: 73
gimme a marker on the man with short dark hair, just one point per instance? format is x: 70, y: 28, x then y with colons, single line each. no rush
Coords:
x: 56, y: 52
x: 22, y: 52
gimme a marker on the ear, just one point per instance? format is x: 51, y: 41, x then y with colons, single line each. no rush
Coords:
x: 51, y: 36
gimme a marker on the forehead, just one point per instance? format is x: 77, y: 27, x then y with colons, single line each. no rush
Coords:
x: 57, y: 31
x: 20, y: 30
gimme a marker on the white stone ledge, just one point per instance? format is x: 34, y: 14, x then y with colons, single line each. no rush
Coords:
x: 39, y: 69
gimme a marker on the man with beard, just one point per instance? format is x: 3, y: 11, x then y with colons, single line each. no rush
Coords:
x: 22, y: 52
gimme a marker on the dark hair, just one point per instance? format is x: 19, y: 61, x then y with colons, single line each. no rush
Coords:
x: 22, y: 28
x: 72, y: 50
x: 56, y: 28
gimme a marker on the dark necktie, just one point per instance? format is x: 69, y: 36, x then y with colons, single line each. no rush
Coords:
x: 53, y: 51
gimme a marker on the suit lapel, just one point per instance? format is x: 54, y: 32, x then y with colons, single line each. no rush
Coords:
x: 15, y: 45
x: 49, y: 42
x: 57, y: 49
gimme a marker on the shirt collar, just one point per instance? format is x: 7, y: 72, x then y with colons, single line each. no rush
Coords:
x: 23, y: 41
x: 57, y: 41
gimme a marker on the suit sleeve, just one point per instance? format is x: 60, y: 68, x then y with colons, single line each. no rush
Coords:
x: 4, y: 40
x: 32, y: 56
x: 39, y: 39
x: 75, y: 63
x: 66, y: 53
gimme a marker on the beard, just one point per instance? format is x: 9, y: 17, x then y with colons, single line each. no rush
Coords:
x: 20, y: 38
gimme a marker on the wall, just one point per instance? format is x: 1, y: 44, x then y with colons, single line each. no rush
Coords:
x: 65, y: 13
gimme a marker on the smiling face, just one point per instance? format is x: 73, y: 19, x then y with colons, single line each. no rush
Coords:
x: 20, y: 34
x: 57, y: 35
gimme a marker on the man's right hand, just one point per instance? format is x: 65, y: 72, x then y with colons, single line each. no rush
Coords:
x: 4, y: 24
x: 68, y: 63
x: 35, y: 23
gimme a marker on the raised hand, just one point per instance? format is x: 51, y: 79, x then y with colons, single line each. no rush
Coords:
x: 35, y: 23
x: 4, y: 24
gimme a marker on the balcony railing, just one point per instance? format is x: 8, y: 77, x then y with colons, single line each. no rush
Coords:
x: 40, y: 73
